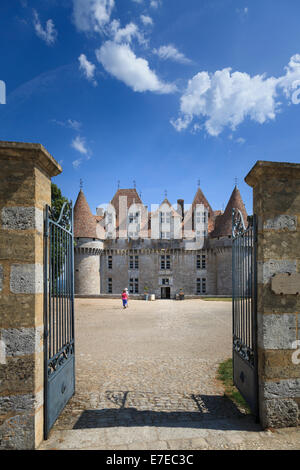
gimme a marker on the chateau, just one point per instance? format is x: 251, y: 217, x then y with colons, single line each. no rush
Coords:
x: 162, y: 251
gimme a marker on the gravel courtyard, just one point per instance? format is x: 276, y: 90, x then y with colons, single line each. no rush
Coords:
x: 146, y: 379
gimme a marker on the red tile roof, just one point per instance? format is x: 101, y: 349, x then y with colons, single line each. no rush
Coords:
x: 84, y: 220
x: 223, y: 223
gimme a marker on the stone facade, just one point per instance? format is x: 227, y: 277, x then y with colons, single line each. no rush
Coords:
x: 166, y: 251
x: 25, y: 189
x: 276, y: 202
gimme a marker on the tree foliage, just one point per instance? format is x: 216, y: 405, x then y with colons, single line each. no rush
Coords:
x: 57, y: 201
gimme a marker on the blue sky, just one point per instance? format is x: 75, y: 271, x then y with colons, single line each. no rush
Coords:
x: 163, y: 92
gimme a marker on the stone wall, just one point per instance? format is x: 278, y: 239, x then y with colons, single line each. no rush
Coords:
x: 183, y: 272
x: 87, y: 266
x: 276, y: 202
x: 25, y: 189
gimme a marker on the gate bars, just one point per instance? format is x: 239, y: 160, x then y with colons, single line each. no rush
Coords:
x: 59, y: 376
x: 244, y: 307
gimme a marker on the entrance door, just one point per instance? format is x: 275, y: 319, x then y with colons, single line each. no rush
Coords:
x: 165, y: 292
x: 59, y: 352
x: 244, y: 308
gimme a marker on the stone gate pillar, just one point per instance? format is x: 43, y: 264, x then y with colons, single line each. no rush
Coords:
x: 276, y: 202
x: 25, y: 189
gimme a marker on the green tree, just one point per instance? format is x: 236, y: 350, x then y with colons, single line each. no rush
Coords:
x: 57, y: 201
x: 59, y: 239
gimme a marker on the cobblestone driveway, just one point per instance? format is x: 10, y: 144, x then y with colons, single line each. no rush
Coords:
x: 145, y: 378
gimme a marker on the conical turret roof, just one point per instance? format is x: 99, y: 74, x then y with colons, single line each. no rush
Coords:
x: 84, y: 221
x: 223, y: 225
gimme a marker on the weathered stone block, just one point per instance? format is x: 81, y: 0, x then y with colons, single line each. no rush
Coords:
x: 22, y: 218
x: 21, y: 310
x: 289, y: 388
x: 281, y: 222
x: 22, y: 341
x: 17, y: 375
x: 26, y: 278
x: 277, y: 364
x: 18, y: 432
x: 266, y: 269
x: 280, y: 413
x: 268, y: 302
x: 17, y: 246
x: 277, y: 331
x: 21, y: 403
x: 278, y: 245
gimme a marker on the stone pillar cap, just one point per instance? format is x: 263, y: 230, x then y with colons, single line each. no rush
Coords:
x: 263, y: 169
x: 36, y: 152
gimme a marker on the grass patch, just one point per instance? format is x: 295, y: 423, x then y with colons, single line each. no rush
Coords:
x: 217, y: 299
x: 225, y: 375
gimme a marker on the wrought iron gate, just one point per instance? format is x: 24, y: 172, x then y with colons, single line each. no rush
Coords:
x: 244, y: 308
x: 59, y: 357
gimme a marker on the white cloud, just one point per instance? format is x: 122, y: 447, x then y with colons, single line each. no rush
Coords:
x: 154, y: 3
x: 242, y: 11
x: 146, y: 20
x: 69, y: 123
x: 47, y: 34
x: 79, y: 144
x: 170, y: 52
x: 121, y: 62
x: 226, y: 99
x: 127, y: 33
x: 289, y: 81
x: 92, y: 15
x: 88, y: 68
x: 76, y: 163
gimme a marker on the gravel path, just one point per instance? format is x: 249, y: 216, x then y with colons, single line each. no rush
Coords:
x: 146, y: 378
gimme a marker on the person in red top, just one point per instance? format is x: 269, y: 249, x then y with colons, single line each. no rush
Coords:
x: 125, y: 299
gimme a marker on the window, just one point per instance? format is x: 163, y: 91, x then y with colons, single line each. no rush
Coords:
x: 133, y: 262
x: 165, y: 282
x: 109, y: 262
x: 201, y: 285
x: 133, y: 217
x: 165, y: 217
x: 201, y: 261
x: 109, y: 285
x: 165, y: 262
x: 165, y: 235
x: 133, y: 286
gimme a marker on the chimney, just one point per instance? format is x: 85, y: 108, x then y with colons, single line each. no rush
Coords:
x: 100, y: 211
x: 180, y: 207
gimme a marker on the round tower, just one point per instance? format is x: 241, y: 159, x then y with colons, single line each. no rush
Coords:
x: 87, y: 250
x: 222, y: 242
